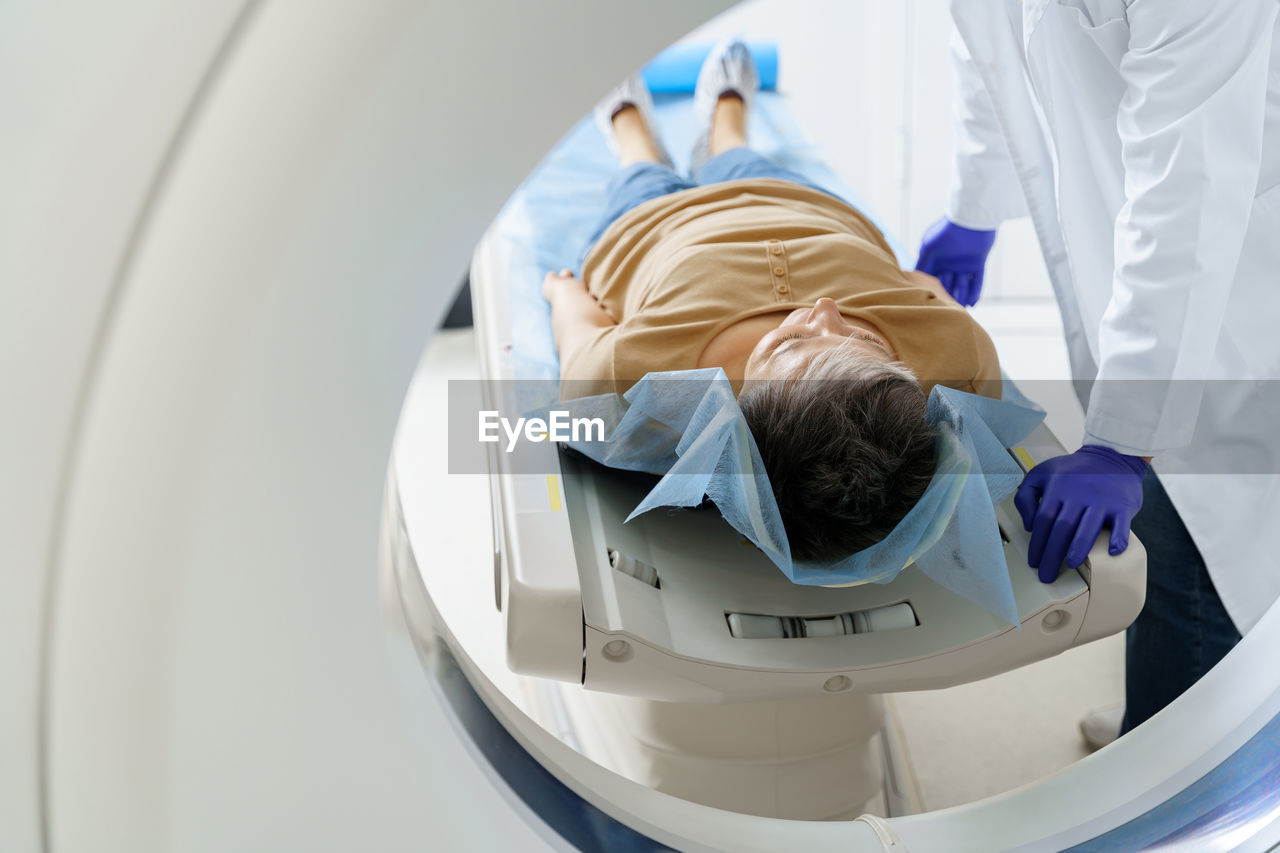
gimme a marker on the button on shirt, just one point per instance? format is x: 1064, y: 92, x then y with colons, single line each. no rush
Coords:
x: 678, y: 270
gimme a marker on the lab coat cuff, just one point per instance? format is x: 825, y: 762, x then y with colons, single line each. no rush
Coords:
x: 1127, y: 450
x: 977, y: 216
x: 1133, y: 439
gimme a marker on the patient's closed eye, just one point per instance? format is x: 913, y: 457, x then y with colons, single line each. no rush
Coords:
x: 782, y: 340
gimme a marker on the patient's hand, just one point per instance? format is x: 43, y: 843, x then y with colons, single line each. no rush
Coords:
x: 576, y: 315
x: 555, y: 281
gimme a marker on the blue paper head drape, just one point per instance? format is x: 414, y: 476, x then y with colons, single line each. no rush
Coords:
x: 687, y: 426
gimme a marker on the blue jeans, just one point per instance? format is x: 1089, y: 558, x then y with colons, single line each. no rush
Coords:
x: 1183, y: 629
x: 640, y: 182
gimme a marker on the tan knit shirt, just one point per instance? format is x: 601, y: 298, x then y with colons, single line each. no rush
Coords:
x: 677, y: 270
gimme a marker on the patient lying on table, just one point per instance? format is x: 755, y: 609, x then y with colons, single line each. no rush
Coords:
x: 832, y: 347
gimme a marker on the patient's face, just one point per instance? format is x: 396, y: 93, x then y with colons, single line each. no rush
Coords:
x: 806, y: 332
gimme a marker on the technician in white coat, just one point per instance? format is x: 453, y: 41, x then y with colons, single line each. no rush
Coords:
x: 1143, y: 139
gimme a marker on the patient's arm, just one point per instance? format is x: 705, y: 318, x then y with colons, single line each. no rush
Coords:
x: 930, y: 283
x: 575, y: 314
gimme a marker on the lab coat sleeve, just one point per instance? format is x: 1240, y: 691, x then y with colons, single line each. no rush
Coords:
x: 984, y: 190
x: 1190, y: 126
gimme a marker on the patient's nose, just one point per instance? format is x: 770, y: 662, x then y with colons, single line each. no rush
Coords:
x: 825, y: 314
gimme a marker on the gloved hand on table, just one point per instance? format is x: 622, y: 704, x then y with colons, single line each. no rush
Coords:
x: 956, y: 256
x: 1066, y: 501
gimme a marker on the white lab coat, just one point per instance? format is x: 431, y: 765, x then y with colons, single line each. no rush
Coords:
x: 1143, y: 139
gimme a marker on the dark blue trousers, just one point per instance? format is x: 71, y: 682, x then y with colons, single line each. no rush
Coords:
x: 1183, y: 629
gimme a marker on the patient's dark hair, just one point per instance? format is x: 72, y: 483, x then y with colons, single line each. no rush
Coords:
x: 847, y: 450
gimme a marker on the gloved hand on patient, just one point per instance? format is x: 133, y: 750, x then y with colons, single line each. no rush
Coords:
x: 957, y: 256
x: 1066, y: 501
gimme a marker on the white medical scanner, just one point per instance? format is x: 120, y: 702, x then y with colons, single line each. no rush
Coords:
x: 226, y: 231
x: 704, y: 617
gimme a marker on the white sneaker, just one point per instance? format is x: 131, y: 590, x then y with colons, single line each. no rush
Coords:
x: 634, y: 93
x: 1101, y: 726
x: 728, y: 68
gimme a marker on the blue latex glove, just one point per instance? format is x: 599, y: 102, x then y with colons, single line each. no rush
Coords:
x: 1066, y: 501
x: 956, y: 256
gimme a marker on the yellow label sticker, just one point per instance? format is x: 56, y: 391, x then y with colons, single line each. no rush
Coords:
x: 1025, y: 458
x: 553, y: 492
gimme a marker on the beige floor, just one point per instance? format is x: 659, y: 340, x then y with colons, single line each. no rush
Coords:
x: 980, y: 739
